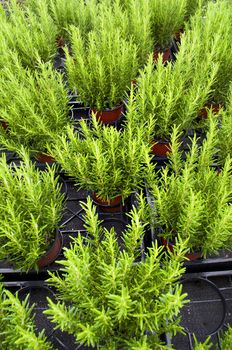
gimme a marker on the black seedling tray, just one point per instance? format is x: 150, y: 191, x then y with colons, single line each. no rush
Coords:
x: 209, y: 311
x: 38, y: 292
x: 71, y: 224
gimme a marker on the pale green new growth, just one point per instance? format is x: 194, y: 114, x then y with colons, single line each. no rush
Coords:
x: 226, y: 339
x: 192, y: 199
x: 167, y: 18
x: 225, y: 130
x: 174, y: 94
x: 214, y: 28
x: 103, y: 159
x: 17, y: 329
x: 101, y: 67
x: 109, y: 301
x: 30, y: 211
x: 207, y: 345
x: 32, y: 34
x: 35, y: 107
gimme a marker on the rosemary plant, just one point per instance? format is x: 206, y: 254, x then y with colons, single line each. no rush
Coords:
x: 101, y: 68
x: 207, y: 345
x: 167, y: 18
x: 226, y: 340
x: 133, y: 19
x: 17, y: 329
x: 192, y: 199
x: 109, y: 301
x: 35, y: 107
x: 214, y: 26
x: 73, y: 12
x: 30, y: 211
x: 173, y: 95
x: 225, y: 131
x: 102, y: 159
x: 32, y: 35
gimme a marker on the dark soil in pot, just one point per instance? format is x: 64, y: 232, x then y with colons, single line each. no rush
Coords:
x: 166, y: 54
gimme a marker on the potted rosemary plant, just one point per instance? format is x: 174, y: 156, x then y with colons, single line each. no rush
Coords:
x: 17, y: 329
x: 167, y: 17
x: 103, y: 160
x: 101, y: 69
x: 30, y: 211
x: 225, y: 131
x: 109, y: 301
x: 32, y: 34
x: 185, y: 200
x: 34, y: 105
x: 173, y: 94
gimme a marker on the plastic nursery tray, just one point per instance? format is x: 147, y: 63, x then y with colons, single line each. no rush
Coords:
x: 221, y: 261
x: 38, y: 292
x: 71, y: 224
x: 209, y: 311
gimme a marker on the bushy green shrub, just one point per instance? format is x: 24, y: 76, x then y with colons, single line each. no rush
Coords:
x: 30, y: 211
x: 101, y: 67
x: 109, y: 301
x: 213, y: 30
x: 35, y: 107
x: 174, y: 94
x: 17, y: 329
x: 192, y: 199
x: 167, y: 18
x: 31, y: 34
x: 225, y: 130
x: 103, y: 159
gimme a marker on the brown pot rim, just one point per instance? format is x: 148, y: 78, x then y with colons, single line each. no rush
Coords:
x: 108, y: 116
x: 53, y: 252
x: 161, y: 148
x: 44, y: 158
x: 112, y: 206
x: 191, y: 256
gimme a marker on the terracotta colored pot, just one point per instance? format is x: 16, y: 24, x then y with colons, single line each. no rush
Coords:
x: 52, y: 253
x: 161, y: 148
x: 112, y: 206
x: 166, y: 53
x: 44, y: 158
x: 110, y: 115
x: 203, y: 113
x: 191, y: 256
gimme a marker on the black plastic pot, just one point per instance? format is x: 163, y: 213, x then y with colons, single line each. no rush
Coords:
x: 209, y: 311
x: 38, y: 292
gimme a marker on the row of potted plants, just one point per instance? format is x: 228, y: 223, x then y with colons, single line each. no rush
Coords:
x: 113, y: 164
x: 103, y: 77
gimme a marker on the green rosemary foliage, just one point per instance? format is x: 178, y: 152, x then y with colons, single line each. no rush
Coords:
x: 17, y: 329
x: 30, y: 211
x: 174, y: 94
x: 133, y: 19
x: 226, y: 340
x: 35, y: 107
x: 192, y: 199
x: 73, y: 12
x: 101, y: 68
x: 225, y: 131
x: 167, y: 18
x: 32, y: 35
x: 109, y: 301
x: 103, y: 159
x: 213, y: 28
x: 207, y: 345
